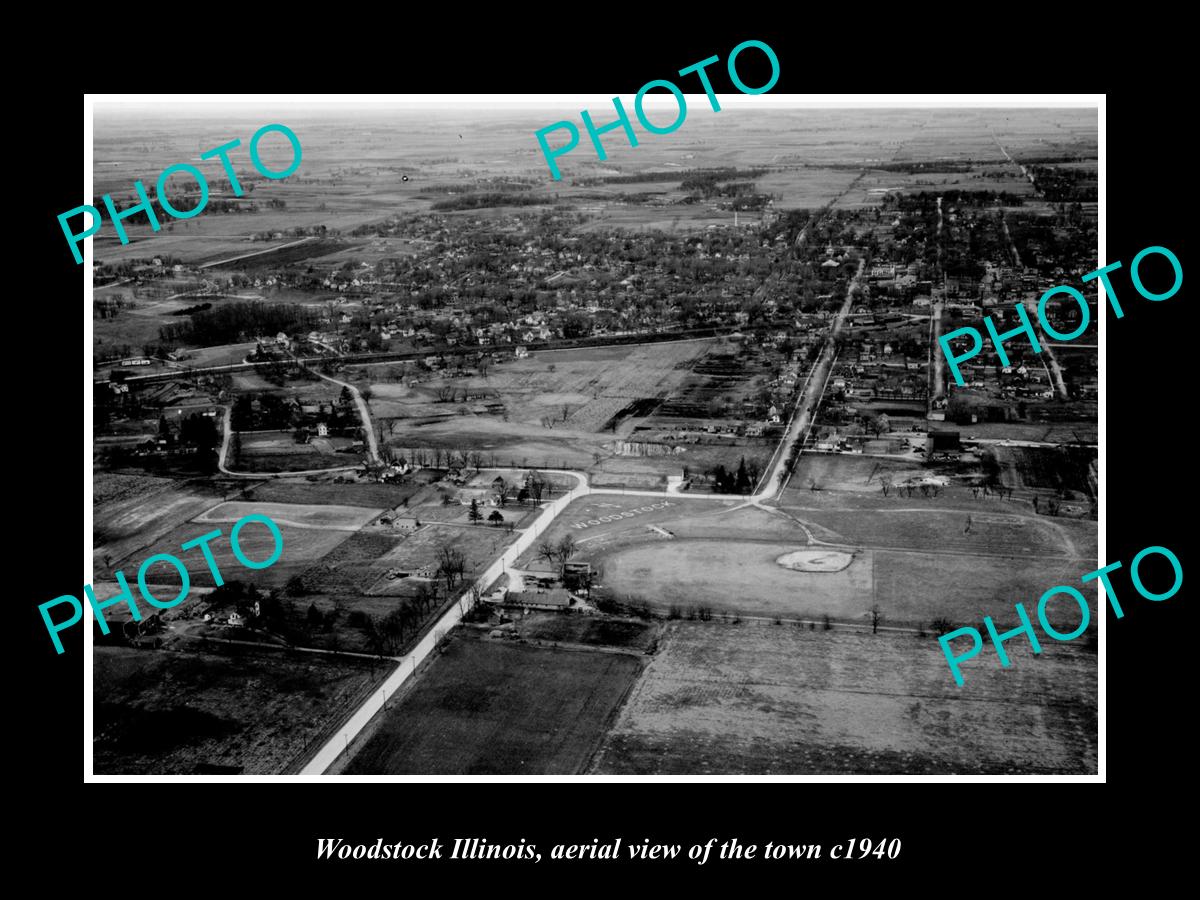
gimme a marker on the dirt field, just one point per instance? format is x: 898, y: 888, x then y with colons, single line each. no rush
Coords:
x: 766, y: 699
x: 165, y: 712
x: 483, y: 707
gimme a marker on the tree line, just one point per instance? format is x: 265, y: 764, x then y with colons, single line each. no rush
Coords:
x: 232, y: 322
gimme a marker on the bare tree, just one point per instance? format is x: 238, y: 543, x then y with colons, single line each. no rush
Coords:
x: 451, y: 564
x: 876, y: 615
x: 941, y: 625
x: 548, y: 551
x: 566, y: 549
x: 885, y: 484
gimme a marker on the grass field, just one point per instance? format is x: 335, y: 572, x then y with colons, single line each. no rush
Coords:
x: 555, y: 404
x: 602, y: 522
x: 736, y: 576
x: 629, y: 634
x: 160, y: 712
x: 325, y: 517
x: 844, y: 472
x: 766, y: 699
x: 484, y: 707
x: 478, y: 543
x: 368, y: 494
x: 279, y: 452
x: 936, y: 529
x: 131, y: 511
x: 301, y: 547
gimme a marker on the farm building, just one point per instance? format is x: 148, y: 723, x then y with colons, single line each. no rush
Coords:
x: 943, y: 442
x: 553, y: 599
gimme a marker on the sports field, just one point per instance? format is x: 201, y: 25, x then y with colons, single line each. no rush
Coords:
x: 736, y: 576
x: 488, y: 708
x: 776, y: 699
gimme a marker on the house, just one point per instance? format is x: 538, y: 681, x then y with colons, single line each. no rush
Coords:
x: 322, y: 429
x: 406, y: 524
x: 520, y: 352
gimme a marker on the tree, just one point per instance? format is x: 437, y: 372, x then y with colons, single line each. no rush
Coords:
x: 941, y: 625
x: 474, y: 514
x: 536, y: 486
x: 547, y: 551
x: 522, y: 496
x: 876, y: 615
x: 565, y: 549
x: 496, y: 518
x: 885, y: 484
x: 742, y: 480
x: 451, y: 564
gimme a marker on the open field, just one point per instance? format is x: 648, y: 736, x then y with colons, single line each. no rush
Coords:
x: 301, y: 547
x: 483, y: 707
x: 848, y: 472
x: 352, y: 566
x: 742, y: 577
x: 736, y: 576
x: 601, y: 631
x: 601, y: 521
x: 589, y: 384
x: 369, y: 494
x: 278, y: 451
x: 932, y: 529
x: 478, y: 543
x: 131, y: 511
x: 165, y: 712
x: 321, y: 516
x: 766, y: 699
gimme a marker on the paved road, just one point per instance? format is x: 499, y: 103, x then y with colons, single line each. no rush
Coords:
x: 408, y: 663
x: 814, y: 388
x: 936, y: 356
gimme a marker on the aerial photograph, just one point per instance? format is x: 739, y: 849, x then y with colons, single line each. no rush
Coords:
x: 657, y: 468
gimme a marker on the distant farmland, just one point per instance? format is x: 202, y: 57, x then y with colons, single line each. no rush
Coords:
x: 773, y: 699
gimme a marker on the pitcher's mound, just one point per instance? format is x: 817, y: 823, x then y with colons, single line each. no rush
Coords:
x: 816, y: 560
